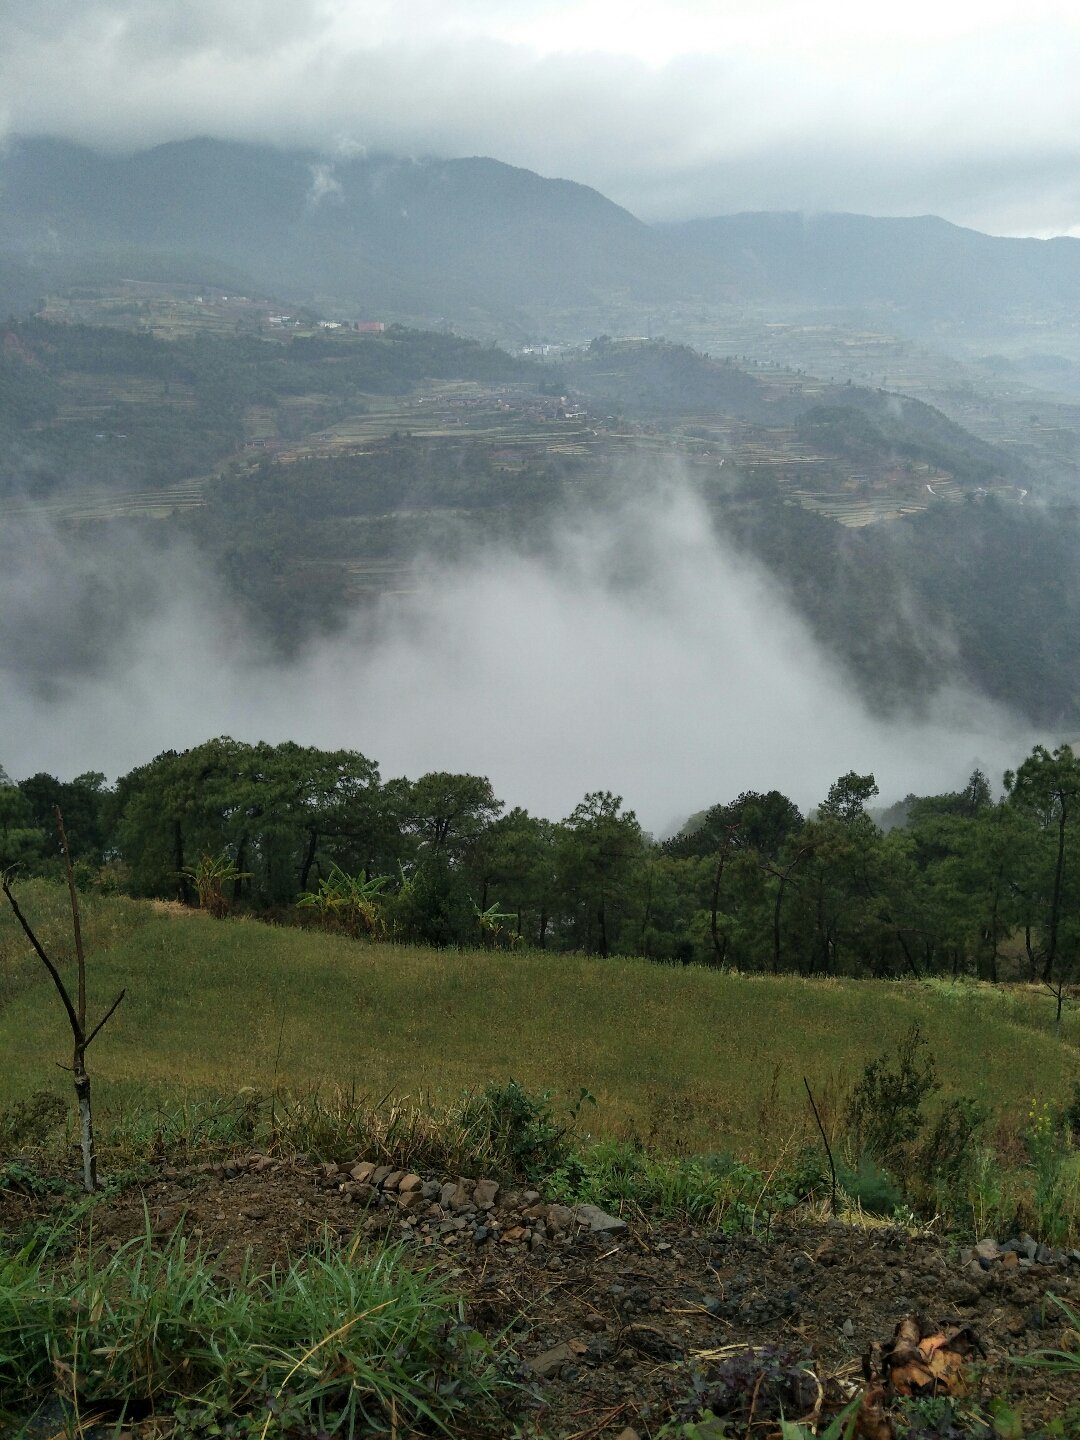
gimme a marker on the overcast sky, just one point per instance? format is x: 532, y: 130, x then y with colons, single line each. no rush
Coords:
x: 968, y: 110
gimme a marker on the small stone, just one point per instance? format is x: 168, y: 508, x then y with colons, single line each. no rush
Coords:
x: 463, y: 1192
x: 410, y: 1200
x: 481, y: 1234
x: 595, y: 1323
x: 597, y: 1220
x: 484, y: 1194
x: 379, y: 1174
x: 393, y: 1180
x: 363, y: 1194
x: 1010, y: 1260
x: 409, y: 1183
x: 1043, y: 1255
x: 329, y: 1170
x: 515, y: 1233
x: 430, y: 1189
x: 552, y: 1361
x: 560, y: 1217
x: 363, y: 1171
x: 987, y: 1250
x: 530, y: 1197
x: 848, y: 1328
x: 1027, y: 1246
x: 536, y: 1241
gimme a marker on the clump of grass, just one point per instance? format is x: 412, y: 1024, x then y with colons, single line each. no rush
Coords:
x: 353, y: 1343
x: 716, y: 1189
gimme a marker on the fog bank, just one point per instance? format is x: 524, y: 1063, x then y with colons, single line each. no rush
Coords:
x: 641, y: 655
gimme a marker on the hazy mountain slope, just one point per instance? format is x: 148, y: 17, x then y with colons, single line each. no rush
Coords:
x: 477, y: 238
x: 377, y: 232
x: 923, y: 267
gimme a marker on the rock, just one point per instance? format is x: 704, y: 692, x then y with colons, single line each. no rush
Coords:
x: 461, y: 1197
x: 516, y: 1232
x: 484, y: 1194
x: 481, y: 1234
x: 595, y: 1323
x: 1043, y: 1255
x: 1010, y: 1259
x: 409, y: 1183
x: 363, y: 1171
x: 393, y: 1180
x: 410, y: 1199
x: 530, y: 1197
x: 431, y: 1189
x: 560, y: 1217
x: 1027, y: 1246
x: 597, y: 1220
x: 379, y: 1174
x: 362, y: 1194
x: 987, y: 1250
x: 848, y: 1328
x: 552, y: 1361
x: 628, y: 1434
x: 329, y: 1170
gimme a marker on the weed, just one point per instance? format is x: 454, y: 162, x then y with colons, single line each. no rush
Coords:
x: 518, y: 1131
x: 749, y: 1386
x: 32, y: 1120
x: 348, y: 1342
x: 884, y: 1112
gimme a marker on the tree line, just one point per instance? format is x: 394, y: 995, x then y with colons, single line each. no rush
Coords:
x: 956, y: 883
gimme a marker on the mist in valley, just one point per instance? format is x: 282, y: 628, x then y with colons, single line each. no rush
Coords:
x: 636, y: 652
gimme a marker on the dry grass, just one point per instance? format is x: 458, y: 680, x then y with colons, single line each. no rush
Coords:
x: 685, y: 1058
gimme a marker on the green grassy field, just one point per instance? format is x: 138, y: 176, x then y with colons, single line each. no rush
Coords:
x: 687, y: 1059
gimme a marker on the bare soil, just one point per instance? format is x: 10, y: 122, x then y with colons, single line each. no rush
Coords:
x: 639, y: 1309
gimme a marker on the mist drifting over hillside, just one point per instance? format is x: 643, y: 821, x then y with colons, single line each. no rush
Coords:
x: 638, y: 652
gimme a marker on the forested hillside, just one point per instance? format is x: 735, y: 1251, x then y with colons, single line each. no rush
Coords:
x: 964, y: 885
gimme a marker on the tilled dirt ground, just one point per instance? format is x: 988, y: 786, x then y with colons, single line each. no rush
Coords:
x: 612, y: 1323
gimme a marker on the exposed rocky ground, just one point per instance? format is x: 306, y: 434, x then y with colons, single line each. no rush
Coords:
x: 607, y: 1317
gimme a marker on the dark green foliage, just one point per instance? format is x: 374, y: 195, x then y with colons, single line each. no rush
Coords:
x: 518, y: 1129
x: 884, y: 1113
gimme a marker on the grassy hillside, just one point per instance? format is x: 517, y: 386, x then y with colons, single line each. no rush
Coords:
x: 687, y: 1059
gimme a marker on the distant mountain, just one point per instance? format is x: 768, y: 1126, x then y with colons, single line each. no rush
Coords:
x: 424, y: 237
x: 475, y: 241
x: 922, y: 267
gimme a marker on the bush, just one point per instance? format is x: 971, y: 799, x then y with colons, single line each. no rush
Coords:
x: 517, y: 1130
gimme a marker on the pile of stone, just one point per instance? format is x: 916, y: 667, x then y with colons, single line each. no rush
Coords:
x: 450, y: 1212
x: 1022, y: 1252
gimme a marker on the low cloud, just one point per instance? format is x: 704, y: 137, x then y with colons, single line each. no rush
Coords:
x: 639, y: 654
x: 719, y: 108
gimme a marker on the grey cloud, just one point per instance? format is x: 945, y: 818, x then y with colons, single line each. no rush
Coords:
x: 981, y: 129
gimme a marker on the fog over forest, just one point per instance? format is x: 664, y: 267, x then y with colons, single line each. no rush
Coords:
x: 639, y: 654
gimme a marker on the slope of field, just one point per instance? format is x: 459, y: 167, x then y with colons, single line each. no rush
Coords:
x: 688, y: 1059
